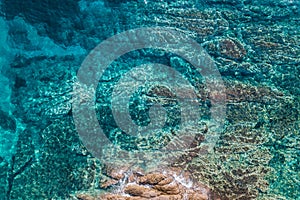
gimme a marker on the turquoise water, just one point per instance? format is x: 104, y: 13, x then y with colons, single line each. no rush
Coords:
x: 69, y: 106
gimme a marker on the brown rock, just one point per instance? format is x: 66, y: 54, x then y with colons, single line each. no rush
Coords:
x: 134, y: 190
x: 168, y: 189
x: 232, y: 48
x: 85, y: 197
x: 152, y: 179
x: 142, y: 191
x: 120, y: 197
x: 113, y: 197
x: 168, y: 197
x: 115, y: 172
x: 196, y: 196
x: 156, y: 186
x: 166, y: 181
x: 109, y: 183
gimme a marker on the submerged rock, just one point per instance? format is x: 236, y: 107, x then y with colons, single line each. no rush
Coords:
x: 254, y: 44
x: 167, y: 184
x: 232, y: 48
x: 7, y: 122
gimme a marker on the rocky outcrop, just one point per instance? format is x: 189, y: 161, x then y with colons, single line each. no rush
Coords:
x: 167, y: 184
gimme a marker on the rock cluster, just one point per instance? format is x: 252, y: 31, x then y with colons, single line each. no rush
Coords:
x: 169, y: 184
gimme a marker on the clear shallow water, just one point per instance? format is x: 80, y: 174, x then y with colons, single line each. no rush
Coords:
x: 254, y: 46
